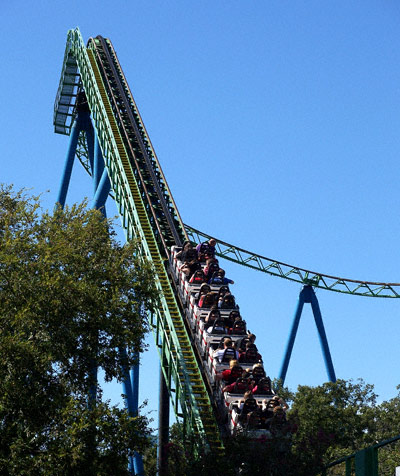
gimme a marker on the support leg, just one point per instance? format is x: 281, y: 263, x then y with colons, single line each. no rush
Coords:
x: 307, y: 295
x: 98, y: 164
x: 128, y: 399
x: 322, y: 337
x: 135, y: 383
x: 102, y: 191
x: 137, y: 458
x: 292, y: 337
x: 163, y: 427
x: 69, y: 162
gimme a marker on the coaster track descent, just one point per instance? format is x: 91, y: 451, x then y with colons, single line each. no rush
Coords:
x: 149, y: 213
x: 146, y: 208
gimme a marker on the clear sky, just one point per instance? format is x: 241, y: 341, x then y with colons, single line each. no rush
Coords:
x: 277, y: 126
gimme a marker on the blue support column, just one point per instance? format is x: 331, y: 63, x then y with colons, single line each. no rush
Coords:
x: 128, y: 399
x: 90, y: 140
x: 138, y: 466
x: 292, y: 337
x: 135, y: 383
x: 82, y: 123
x: 98, y: 164
x: 307, y: 295
x: 102, y: 191
x: 137, y: 458
x: 322, y: 337
x: 69, y: 161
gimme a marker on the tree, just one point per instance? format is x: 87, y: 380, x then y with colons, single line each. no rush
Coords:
x: 387, y: 426
x: 71, y: 298
x: 339, y: 419
x: 334, y: 420
x: 327, y: 422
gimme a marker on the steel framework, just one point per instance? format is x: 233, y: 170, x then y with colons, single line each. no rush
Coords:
x: 294, y: 273
x: 142, y: 206
x: 111, y: 142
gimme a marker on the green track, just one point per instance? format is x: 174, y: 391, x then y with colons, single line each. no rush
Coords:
x: 182, y: 373
x: 63, y: 120
x: 136, y: 179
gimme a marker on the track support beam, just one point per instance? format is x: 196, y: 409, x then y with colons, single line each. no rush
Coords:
x: 82, y: 123
x: 307, y: 295
x: 163, y: 427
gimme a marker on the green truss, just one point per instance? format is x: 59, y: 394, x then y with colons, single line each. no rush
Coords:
x: 63, y: 117
x: 293, y: 273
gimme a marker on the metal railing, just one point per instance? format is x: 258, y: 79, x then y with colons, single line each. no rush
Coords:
x: 361, y: 463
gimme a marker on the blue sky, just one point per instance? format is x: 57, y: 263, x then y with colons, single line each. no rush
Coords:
x: 277, y: 126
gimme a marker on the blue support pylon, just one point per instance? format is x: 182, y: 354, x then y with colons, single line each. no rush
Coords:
x: 292, y: 337
x: 129, y: 388
x: 98, y: 165
x: 307, y: 295
x: 82, y: 123
x: 101, y: 189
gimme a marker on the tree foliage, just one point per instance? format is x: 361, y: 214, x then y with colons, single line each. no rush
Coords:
x: 328, y: 422
x: 334, y: 419
x: 71, y: 297
x: 339, y: 419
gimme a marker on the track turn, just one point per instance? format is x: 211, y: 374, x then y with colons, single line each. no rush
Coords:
x: 149, y: 213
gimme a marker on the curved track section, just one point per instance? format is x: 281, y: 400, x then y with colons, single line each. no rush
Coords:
x: 149, y: 214
x: 293, y: 273
x: 144, y: 154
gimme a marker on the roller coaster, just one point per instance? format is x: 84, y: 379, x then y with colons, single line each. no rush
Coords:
x: 95, y: 107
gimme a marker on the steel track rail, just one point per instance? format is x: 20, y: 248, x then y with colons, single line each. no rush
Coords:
x: 156, y: 166
x: 179, y: 365
x: 119, y: 107
x: 178, y: 361
x: 293, y: 273
x: 119, y: 102
x: 130, y: 121
x: 226, y: 250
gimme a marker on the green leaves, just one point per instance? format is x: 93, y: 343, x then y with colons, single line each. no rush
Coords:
x: 328, y: 422
x: 70, y: 296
